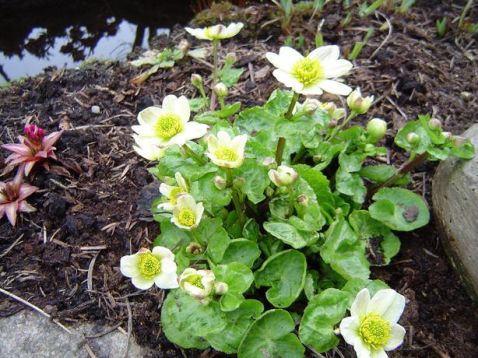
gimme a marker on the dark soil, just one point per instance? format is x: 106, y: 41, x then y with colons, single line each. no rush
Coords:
x: 64, y: 258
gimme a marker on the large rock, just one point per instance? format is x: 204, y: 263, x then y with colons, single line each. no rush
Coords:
x: 29, y: 334
x: 455, y: 202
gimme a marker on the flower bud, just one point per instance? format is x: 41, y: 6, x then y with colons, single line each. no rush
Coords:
x: 230, y: 58
x: 333, y: 123
x: 197, y: 283
x: 238, y: 182
x: 269, y: 162
x: 220, y: 182
x: 184, y: 45
x: 357, y: 103
x: 434, y: 124
x: 447, y: 135
x: 413, y: 138
x: 283, y: 176
x: 194, y: 248
x: 311, y: 105
x: 269, y: 191
x: 376, y: 129
x: 196, y: 80
x: 303, y: 200
x: 220, y: 90
x: 221, y: 288
x: 34, y: 132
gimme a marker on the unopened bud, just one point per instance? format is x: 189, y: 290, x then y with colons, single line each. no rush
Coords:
x: 357, y: 103
x: 184, y: 45
x: 269, y: 191
x: 230, y: 58
x: 34, y: 132
x: 194, y: 248
x: 220, y: 182
x: 311, y: 105
x: 333, y: 123
x: 221, y: 288
x: 376, y: 129
x: 238, y: 182
x: 220, y: 89
x: 413, y: 138
x: 269, y: 162
x: 196, y: 80
x: 434, y: 124
x: 303, y: 200
x: 283, y: 176
x: 447, y: 135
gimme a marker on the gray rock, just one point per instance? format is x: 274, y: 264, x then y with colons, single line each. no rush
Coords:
x: 29, y: 334
x: 455, y: 202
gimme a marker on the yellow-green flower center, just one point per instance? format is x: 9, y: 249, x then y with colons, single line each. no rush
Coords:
x: 375, y: 331
x: 186, y: 217
x: 308, y: 71
x: 195, y: 280
x: 149, y: 265
x: 173, y: 195
x: 167, y: 126
x: 227, y: 154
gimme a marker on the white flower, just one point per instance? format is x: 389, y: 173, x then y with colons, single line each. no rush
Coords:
x: 357, y: 103
x: 147, y: 148
x: 198, y: 283
x: 172, y: 192
x: 226, y: 152
x: 147, y: 268
x: 216, y: 32
x: 168, y: 125
x: 311, y: 75
x: 372, y: 327
x: 187, y: 213
x: 283, y: 176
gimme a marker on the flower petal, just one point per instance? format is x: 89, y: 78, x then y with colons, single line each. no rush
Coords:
x: 164, y: 253
x: 198, y: 33
x: 142, y: 283
x: 362, y: 350
x: 166, y: 189
x: 349, y: 329
x: 18, y: 148
x: 166, y: 280
x: 288, y: 80
x: 337, y: 68
x: 335, y: 87
x: 129, y: 265
x: 51, y: 139
x: 181, y: 108
x: 387, y: 303
x: 379, y: 354
x: 149, y: 115
x: 314, y: 90
x: 169, y: 104
x: 286, y: 59
x: 360, y: 304
x: 325, y: 53
x: 398, y: 332
x: 11, y: 212
x: 224, y: 138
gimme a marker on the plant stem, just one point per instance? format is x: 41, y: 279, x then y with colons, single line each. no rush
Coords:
x: 215, y: 49
x: 295, y: 97
x: 280, y: 150
x: 221, y: 102
x: 406, y: 167
x: 193, y: 155
x: 464, y: 13
x: 291, y: 199
x: 342, y: 125
x: 238, y: 206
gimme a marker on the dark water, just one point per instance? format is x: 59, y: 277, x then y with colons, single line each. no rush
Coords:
x: 35, y: 34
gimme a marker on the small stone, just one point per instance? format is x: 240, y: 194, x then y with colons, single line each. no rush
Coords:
x: 95, y: 110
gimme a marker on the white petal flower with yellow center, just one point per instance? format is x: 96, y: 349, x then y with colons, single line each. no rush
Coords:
x: 283, y: 176
x: 147, y: 268
x: 187, y: 213
x: 147, y: 148
x: 225, y: 151
x: 172, y: 192
x: 198, y: 283
x: 372, y: 327
x: 216, y: 32
x: 311, y: 75
x: 168, y: 125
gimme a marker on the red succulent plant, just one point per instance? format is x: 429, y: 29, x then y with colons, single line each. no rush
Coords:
x: 35, y: 147
x: 12, y: 198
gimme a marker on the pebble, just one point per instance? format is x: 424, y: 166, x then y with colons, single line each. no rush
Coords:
x: 95, y: 110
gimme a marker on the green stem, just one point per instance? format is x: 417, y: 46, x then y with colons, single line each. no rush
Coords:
x: 238, y: 206
x: 291, y: 199
x: 221, y: 102
x: 295, y: 97
x: 215, y: 49
x: 342, y: 125
x: 193, y: 155
x: 280, y: 150
x: 407, y: 167
x: 464, y: 12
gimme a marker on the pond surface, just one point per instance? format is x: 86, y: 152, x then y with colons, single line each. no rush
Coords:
x: 41, y: 33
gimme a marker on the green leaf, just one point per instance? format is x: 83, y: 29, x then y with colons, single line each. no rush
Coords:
x: 213, y: 233
x: 464, y: 151
x: 243, y: 251
x: 184, y: 320
x: 171, y: 236
x: 350, y: 184
x: 237, y: 323
x: 238, y: 276
x: 279, y: 207
x: 286, y: 233
x: 270, y: 336
x: 325, y: 153
x: 278, y: 102
x: 196, y: 104
x: 399, y: 209
x: 310, y: 287
x: 351, y: 162
x: 203, y: 190
x: 251, y: 230
x: 311, y: 213
x: 231, y: 301
x: 344, y: 252
x: 321, y: 315
x: 229, y: 75
x: 381, y: 173
x: 416, y: 127
x: 254, y: 120
x: 285, y: 273
x: 256, y: 179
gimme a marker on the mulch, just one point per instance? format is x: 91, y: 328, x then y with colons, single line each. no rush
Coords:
x: 64, y: 258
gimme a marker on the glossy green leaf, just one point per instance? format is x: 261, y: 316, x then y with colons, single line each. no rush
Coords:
x: 229, y: 75
x: 284, y: 273
x: 287, y: 233
x: 237, y: 276
x: 350, y: 184
x: 203, y: 190
x: 278, y: 102
x: 270, y: 336
x: 399, y: 209
x: 321, y: 315
x: 255, y: 178
x: 211, y: 232
x: 196, y: 104
x: 243, y: 251
x: 381, y: 172
x: 310, y: 286
x: 171, y: 236
x: 416, y: 127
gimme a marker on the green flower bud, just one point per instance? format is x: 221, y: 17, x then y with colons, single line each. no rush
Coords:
x: 357, y: 103
x: 269, y: 162
x: 184, y: 45
x: 283, y: 176
x: 333, y: 123
x: 230, y: 58
x: 220, y: 182
x: 303, y: 200
x: 220, y: 90
x: 311, y: 105
x: 413, y: 138
x: 194, y: 248
x: 376, y: 129
x: 269, y: 191
x: 221, y: 288
x: 238, y: 182
x: 434, y: 124
x: 196, y: 80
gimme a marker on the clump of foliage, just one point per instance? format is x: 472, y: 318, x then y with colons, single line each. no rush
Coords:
x: 275, y: 214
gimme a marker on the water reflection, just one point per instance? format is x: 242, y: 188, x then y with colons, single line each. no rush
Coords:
x: 40, y: 33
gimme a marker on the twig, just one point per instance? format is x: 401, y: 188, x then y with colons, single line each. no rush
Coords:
x: 90, y: 272
x: 385, y: 40
x: 101, y: 334
x: 32, y: 306
x: 89, y: 350
x: 11, y: 246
